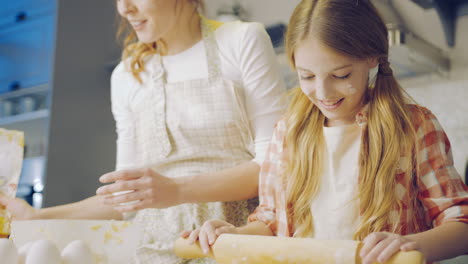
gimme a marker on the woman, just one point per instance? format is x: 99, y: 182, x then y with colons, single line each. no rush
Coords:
x: 352, y: 159
x: 195, y: 103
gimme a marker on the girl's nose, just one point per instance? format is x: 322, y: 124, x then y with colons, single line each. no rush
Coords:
x: 323, y: 90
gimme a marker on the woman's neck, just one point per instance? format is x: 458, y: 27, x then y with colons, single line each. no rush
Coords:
x: 186, y: 33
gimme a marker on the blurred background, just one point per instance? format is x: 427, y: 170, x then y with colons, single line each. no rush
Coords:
x: 56, y: 58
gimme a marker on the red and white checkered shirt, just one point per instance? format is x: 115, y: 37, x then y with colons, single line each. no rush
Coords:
x: 441, y: 193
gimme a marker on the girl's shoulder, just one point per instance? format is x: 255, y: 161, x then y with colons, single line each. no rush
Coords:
x: 422, y: 116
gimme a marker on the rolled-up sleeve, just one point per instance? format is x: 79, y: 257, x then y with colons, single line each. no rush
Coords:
x: 271, y: 209
x: 441, y: 189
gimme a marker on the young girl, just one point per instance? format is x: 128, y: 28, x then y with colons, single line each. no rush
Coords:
x: 195, y: 103
x: 352, y: 159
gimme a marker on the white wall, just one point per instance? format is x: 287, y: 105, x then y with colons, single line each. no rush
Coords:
x: 82, y: 129
x: 265, y: 11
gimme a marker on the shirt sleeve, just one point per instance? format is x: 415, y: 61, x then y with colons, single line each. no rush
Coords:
x: 441, y: 189
x: 123, y: 120
x: 263, y: 84
x: 270, y: 191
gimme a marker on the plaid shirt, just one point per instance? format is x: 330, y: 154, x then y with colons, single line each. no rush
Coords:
x: 441, y: 193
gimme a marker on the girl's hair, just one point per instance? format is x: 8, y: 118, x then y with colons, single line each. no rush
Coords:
x: 135, y: 52
x: 352, y: 28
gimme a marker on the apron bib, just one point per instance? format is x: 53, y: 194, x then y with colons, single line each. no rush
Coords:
x: 187, y: 128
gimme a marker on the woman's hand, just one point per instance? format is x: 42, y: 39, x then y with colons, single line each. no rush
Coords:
x: 381, y: 246
x: 18, y: 208
x: 141, y: 188
x: 208, y: 233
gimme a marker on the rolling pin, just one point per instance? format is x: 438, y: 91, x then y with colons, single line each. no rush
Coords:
x: 246, y: 249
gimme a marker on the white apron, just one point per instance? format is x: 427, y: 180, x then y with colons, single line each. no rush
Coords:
x: 187, y: 128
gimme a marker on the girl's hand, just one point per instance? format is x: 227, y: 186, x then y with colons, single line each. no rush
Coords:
x: 141, y: 188
x: 381, y: 246
x: 208, y: 233
x: 18, y: 208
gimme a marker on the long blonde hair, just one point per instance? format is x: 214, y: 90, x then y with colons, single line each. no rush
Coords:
x: 136, y: 51
x: 355, y: 29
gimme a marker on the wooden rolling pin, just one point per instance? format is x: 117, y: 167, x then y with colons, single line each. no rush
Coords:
x: 243, y: 249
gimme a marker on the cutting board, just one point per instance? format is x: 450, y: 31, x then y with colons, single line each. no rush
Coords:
x: 244, y: 249
x: 113, y: 242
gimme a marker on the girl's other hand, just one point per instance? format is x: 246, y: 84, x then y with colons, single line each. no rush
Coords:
x: 381, y: 246
x: 208, y: 233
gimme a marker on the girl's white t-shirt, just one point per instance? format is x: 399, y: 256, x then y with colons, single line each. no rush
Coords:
x: 335, y: 210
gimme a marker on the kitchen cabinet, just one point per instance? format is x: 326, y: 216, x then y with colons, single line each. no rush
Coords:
x: 27, y: 36
x: 55, y: 59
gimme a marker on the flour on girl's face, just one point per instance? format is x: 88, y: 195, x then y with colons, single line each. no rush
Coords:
x: 351, y: 89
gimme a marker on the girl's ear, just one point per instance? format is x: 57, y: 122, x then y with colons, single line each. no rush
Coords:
x: 372, y: 62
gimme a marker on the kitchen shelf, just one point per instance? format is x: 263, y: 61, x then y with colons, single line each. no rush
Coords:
x: 41, y: 114
x: 25, y: 91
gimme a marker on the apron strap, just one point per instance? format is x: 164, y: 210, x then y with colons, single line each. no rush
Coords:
x: 155, y: 114
x: 156, y: 102
x: 211, y: 46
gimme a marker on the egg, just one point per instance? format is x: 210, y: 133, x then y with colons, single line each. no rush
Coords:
x: 23, y: 251
x: 8, y: 252
x: 77, y: 252
x: 43, y: 252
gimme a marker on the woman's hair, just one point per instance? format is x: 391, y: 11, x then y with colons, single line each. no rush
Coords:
x: 135, y: 52
x: 352, y: 28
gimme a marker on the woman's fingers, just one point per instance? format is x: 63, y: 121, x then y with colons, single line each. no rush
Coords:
x: 127, y: 197
x: 123, y: 175
x: 120, y: 186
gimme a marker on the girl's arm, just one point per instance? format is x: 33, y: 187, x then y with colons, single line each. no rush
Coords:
x: 440, y: 190
x: 445, y: 241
